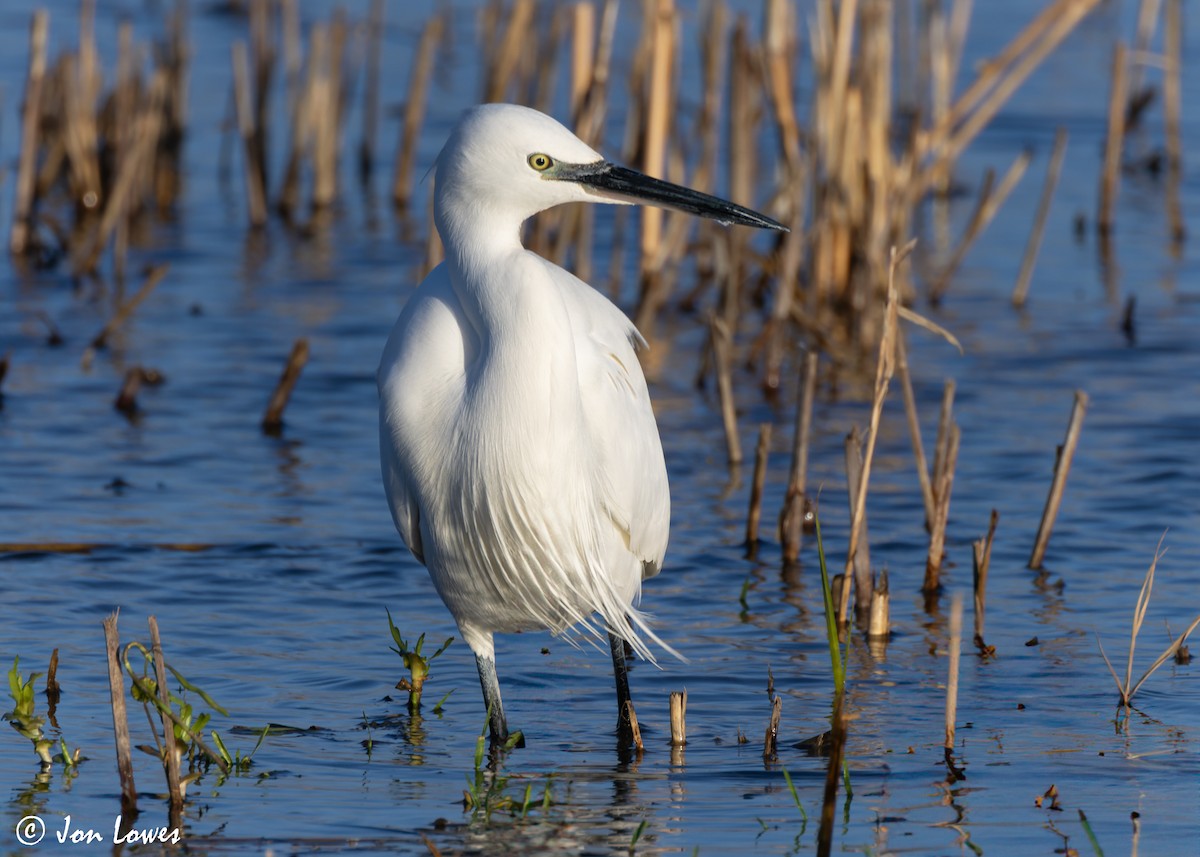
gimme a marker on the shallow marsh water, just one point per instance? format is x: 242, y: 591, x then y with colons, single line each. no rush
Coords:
x: 279, y: 614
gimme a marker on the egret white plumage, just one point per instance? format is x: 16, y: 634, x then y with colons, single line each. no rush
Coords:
x: 521, y: 457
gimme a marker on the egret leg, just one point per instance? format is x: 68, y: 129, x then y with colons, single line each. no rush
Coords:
x: 491, y: 699
x: 621, y: 675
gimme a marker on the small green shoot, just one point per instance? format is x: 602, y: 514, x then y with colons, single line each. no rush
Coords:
x: 416, y: 663
x: 637, y: 834
x: 831, y: 629
x: 23, y: 718
x: 795, y: 795
x: 1091, y: 835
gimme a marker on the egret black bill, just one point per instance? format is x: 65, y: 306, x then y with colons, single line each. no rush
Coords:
x: 608, y: 179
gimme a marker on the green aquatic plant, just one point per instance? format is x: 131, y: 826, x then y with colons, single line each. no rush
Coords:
x: 188, y: 723
x: 1129, y: 687
x: 416, y: 663
x: 22, y: 717
x: 29, y: 724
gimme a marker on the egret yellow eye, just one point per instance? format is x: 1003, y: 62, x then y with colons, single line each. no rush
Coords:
x: 540, y: 162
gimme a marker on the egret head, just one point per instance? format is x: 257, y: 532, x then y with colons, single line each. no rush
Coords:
x: 505, y: 163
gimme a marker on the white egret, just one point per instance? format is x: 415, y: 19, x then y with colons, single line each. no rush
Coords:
x: 520, y: 454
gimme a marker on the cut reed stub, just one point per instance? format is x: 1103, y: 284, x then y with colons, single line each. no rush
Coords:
x: 771, y: 739
x: 756, y: 488
x: 272, y: 422
x: 678, y: 718
x: 879, y: 624
x: 635, y: 731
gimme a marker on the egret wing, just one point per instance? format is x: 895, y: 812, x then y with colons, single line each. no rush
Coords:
x: 625, y: 435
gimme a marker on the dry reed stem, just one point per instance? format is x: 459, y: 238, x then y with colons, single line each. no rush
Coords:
x: 326, y: 113
x: 780, y: 47
x: 995, y: 84
x: 914, y: 429
x: 370, y: 111
x: 989, y: 203
x: 937, y: 532
x: 21, y: 235
x: 511, y: 47
x: 955, y: 647
x: 272, y: 420
x: 583, y: 54
x: 635, y: 731
x: 1147, y: 17
x: 883, y: 373
x: 771, y: 738
x: 1062, y: 466
x: 941, y: 445
x: 720, y: 339
x: 863, y: 584
x: 1172, y: 100
x: 124, y: 311
x: 657, y: 126
x: 414, y: 109
x: 116, y: 687
x: 256, y: 202
x: 1114, y: 141
x: 1039, y: 220
x: 982, y: 556
x: 791, y: 519
x: 678, y: 718
x: 756, y: 486
x: 170, y: 760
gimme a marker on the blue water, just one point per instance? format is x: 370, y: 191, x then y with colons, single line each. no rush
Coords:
x: 277, y: 609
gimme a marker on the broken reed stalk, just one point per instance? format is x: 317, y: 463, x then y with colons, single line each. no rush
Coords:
x: 272, y: 421
x: 771, y: 738
x: 914, y: 429
x: 678, y: 718
x: 879, y: 622
x: 863, y: 584
x: 883, y: 374
x: 940, y: 448
x: 982, y: 554
x: 370, y: 111
x: 756, y: 486
x: 414, y: 109
x: 1062, y: 466
x: 955, y: 647
x: 126, y: 401
x: 21, y: 236
x: 989, y: 203
x: 720, y: 339
x: 116, y: 687
x: 791, y: 519
x: 1114, y: 141
x: 1039, y: 219
x: 635, y: 731
x: 1172, y: 100
x: 995, y: 84
x: 123, y: 312
x: 53, y: 690
x: 937, y: 530
x: 171, y: 759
